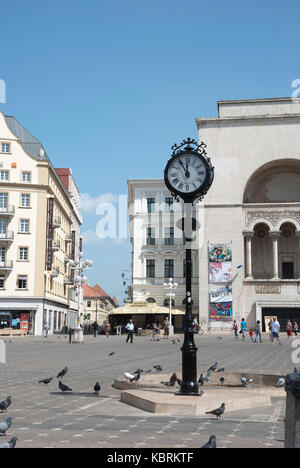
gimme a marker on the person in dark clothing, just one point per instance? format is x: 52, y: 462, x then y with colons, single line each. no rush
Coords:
x: 95, y: 329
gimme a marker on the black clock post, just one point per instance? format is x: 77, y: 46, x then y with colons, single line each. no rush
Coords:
x: 189, y: 175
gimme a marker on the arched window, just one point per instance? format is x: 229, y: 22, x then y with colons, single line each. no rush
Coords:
x: 166, y: 303
x: 151, y: 300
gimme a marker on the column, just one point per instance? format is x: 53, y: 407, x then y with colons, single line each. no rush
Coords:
x: 275, y: 235
x: 248, y: 236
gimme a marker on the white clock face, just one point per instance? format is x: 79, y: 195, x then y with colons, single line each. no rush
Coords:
x: 187, y: 173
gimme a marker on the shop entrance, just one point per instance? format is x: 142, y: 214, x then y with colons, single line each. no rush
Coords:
x: 283, y: 314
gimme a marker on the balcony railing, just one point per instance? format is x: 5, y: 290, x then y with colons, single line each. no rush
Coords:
x: 55, y: 246
x: 56, y: 223
x: 54, y: 273
x: 8, y: 210
x: 7, y: 236
x: 6, y: 265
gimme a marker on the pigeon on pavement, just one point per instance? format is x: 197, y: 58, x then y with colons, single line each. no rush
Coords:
x: 222, y: 380
x: 97, y: 388
x: 218, y: 412
x: 171, y: 382
x: 4, y: 426
x: 62, y: 373
x: 212, y: 443
x: 221, y: 370
x: 46, y: 381
x: 201, y: 380
x: 64, y: 388
x: 139, y: 371
x: 245, y: 381
x: 5, y: 404
x: 213, y: 368
x: 111, y: 354
x: 10, y: 445
x: 280, y: 382
x: 158, y: 368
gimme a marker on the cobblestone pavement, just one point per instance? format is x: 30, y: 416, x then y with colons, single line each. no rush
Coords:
x: 44, y: 417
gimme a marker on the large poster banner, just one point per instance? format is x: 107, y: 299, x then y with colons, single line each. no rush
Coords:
x: 219, y: 253
x: 220, y: 312
x: 220, y: 272
x: 221, y: 294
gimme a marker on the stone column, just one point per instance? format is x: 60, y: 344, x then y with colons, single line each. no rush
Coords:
x: 275, y: 235
x: 248, y: 235
x: 292, y: 420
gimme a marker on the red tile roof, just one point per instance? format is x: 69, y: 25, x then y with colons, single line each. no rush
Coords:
x: 89, y: 292
x: 100, y: 291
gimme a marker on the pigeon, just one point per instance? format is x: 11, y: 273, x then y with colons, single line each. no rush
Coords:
x: 111, y: 354
x: 64, y: 388
x: 46, y: 381
x: 179, y: 382
x: 173, y: 341
x: 213, y: 368
x: 171, y: 382
x: 221, y: 370
x: 245, y: 381
x: 4, y: 426
x: 158, y: 368
x: 280, y: 382
x: 62, y: 373
x: 136, y: 377
x: 10, y: 445
x: 222, y: 380
x: 218, y: 412
x: 201, y: 380
x: 97, y: 388
x: 178, y: 340
x: 128, y: 376
x: 139, y: 371
x: 5, y: 404
x: 212, y: 443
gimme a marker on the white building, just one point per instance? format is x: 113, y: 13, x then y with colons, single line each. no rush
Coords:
x: 252, y: 210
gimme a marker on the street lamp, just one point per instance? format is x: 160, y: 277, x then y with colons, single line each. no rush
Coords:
x: 79, y: 266
x: 170, y: 286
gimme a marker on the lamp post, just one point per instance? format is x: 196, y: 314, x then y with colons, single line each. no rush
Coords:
x: 188, y: 175
x: 79, y: 266
x: 170, y: 286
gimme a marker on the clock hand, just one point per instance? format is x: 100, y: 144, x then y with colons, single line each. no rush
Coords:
x: 187, y: 174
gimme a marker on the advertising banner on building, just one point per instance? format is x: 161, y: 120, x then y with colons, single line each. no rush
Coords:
x: 25, y: 322
x: 219, y: 253
x: 50, y: 235
x: 220, y: 312
x: 221, y: 294
x: 220, y: 272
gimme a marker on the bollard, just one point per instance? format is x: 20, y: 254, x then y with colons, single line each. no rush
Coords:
x: 292, y: 420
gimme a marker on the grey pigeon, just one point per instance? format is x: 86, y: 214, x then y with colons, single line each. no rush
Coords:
x: 213, y: 368
x: 97, y: 388
x: 62, y: 373
x: 158, y: 368
x: 207, y: 378
x: 218, y: 412
x: 9, y: 445
x: 5, y: 404
x: 245, y: 381
x: 212, y: 443
x: 221, y: 370
x: 46, y: 381
x: 222, y: 380
x: 4, y: 426
x: 64, y: 388
x: 171, y: 382
x: 136, y: 377
x: 139, y: 371
x: 201, y: 380
x: 280, y: 382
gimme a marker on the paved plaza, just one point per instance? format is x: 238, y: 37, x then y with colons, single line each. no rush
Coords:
x: 45, y: 417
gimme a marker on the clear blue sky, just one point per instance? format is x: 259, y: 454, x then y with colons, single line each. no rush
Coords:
x: 109, y: 85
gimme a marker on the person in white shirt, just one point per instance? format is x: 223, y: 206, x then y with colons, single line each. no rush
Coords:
x: 275, y: 330
x: 130, y: 329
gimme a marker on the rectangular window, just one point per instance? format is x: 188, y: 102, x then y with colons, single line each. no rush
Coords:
x: 23, y: 253
x: 150, y: 205
x: 2, y: 282
x: 169, y: 268
x: 2, y: 254
x: 287, y: 270
x: 169, y: 236
x: 169, y: 204
x: 3, y: 201
x: 5, y: 148
x: 3, y: 226
x: 184, y: 268
x: 150, y: 268
x: 150, y: 236
x: 25, y: 200
x: 22, y: 282
x: 4, y: 175
x: 26, y: 176
x: 24, y: 225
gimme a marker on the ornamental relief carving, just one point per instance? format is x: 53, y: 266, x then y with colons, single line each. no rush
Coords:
x: 272, y: 216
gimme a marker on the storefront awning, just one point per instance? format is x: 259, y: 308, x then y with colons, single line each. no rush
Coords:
x: 144, y: 309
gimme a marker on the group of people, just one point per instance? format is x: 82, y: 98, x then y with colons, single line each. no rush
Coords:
x: 156, y: 329
x: 273, y: 327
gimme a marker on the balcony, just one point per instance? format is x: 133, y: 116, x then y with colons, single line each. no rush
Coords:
x: 69, y: 282
x: 68, y: 240
x: 8, y: 210
x: 7, y: 236
x: 55, y: 246
x: 54, y: 273
x: 56, y: 223
x: 6, y: 265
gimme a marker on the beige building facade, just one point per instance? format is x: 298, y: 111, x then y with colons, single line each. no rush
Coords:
x: 35, y: 234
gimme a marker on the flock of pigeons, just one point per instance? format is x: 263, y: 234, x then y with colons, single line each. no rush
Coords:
x: 64, y: 388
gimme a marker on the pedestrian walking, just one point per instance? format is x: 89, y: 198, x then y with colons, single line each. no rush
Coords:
x: 195, y: 325
x: 258, y: 332
x: 95, y: 327
x: 157, y: 330
x: 236, y: 329
x: 46, y: 330
x: 153, y: 328
x: 275, y: 331
x: 289, y: 329
x: 243, y: 329
x: 130, y: 329
x: 107, y: 329
x: 119, y: 330
x: 296, y: 328
x: 270, y: 324
x: 166, y: 328
x: 251, y: 333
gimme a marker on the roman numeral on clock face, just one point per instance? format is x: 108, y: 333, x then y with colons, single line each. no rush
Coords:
x: 180, y: 186
x: 175, y: 181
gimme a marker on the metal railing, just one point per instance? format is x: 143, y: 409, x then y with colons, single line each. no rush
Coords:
x: 7, y: 210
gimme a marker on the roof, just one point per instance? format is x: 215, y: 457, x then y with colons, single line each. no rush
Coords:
x: 100, y: 291
x: 89, y: 292
x: 115, y: 300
